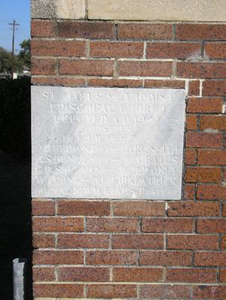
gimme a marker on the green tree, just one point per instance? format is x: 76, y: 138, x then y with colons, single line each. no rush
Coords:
x: 5, y: 61
x: 24, y: 55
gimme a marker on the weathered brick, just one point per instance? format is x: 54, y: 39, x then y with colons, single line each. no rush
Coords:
x: 211, y: 226
x: 210, y: 259
x: 41, y: 66
x: 165, y: 258
x: 173, y: 50
x: 224, y: 210
x: 145, y: 31
x: 58, y: 290
x: 78, y: 274
x: 43, y: 241
x: 64, y: 81
x: 50, y: 257
x: 203, y: 139
x: 191, y: 275
x: 214, y: 87
x: 215, y: 50
x: 155, y: 291
x: 43, y: 28
x: 87, y: 30
x: 201, y: 70
x: 189, y: 191
x: 43, y: 274
x: 201, y: 174
x: 223, y: 275
x: 145, y: 68
x: 211, y: 192
x: 112, y: 257
x: 223, y: 242
x: 192, y: 242
x: 139, y: 208
x: 83, y: 208
x: 82, y: 241
x: 194, y: 88
x: 58, y: 48
x: 191, y: 122
x: 111, y: 291
x: 205, y: 105
x: 213, y: 122
x: 111, y: 225
x: 193, y: 209
x: 200, y: 32
x: 141, y: 241
x: 57, y: 224
x: 190, y: 157
x: 116, y: 49
x: 174, y: 84
x: 209, y: 292
x: 114, y: 82
x: 86, y: 67
x: 211, y: 157
x: 43, y: 207
x: 137, y: 274
x: 167, y: 225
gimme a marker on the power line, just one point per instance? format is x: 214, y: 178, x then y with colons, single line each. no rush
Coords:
x: 14, y: 27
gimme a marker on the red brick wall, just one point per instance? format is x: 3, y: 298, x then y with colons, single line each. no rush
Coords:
x: 138, y: 249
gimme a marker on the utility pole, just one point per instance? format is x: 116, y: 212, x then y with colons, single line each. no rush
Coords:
x: 14, y: 27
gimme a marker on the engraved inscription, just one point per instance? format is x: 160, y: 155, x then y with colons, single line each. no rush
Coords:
x: 107, y: 143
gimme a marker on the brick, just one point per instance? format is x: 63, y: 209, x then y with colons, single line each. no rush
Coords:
x: 192, y: 242
x: 47, y: 257
x: 145, y: 68
x: 43, y: 241
x: 209, y: 292
x: 189, y: 191
x: 201, y: 70
x: 195, y: 32
x: 174, y: 84
x: 200, y: 174
x: 43, y: 274
x: 86, y: 67
x: 191, y: 275
x: 43, y: 28
x: 223, y: 243
x: 211, y: 192
x: 82, y: 241
x: 80, y: 274
x: 205, y: 105
x: 173, y: 50
x: 145, y: 31
x: 139, y: 208
x: 193, y: 209
x: 83, y: 208
x: 211, y: 157
x: 165, y: 258
x: 58, y: 290
x: 116, y: 49
x: 56, y: 224
x: 202, y: 139
x: 111, y: 257
x: 211, y: 226
x: 43, y: 207
x: 64, y: 81
x: 214, y: 87
x: 213, y: 122
x: 223, y: 275
x: 210, y: 259
x: 137, y: 274
x: 58, y: 48
x: 224, y: 210
x: 190, y: 157
x: 111, y: 225
x: 114, y: 82
x: 165, y: 291
x: 167, y: 225
x: 194, y: 88
x: 43, y: 66
x: 191, y: 122
x: 141, y: 241
x: 111, y: 291
x: 87, y: 30
x: 215, y: 50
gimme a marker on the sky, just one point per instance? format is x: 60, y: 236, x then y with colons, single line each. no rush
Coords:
x: 10, y: 10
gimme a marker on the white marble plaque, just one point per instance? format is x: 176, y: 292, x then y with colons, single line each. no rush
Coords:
x: 107, y: 143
